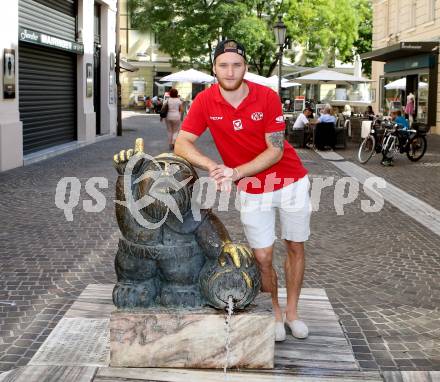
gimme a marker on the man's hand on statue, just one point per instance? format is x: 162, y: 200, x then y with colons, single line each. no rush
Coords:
x: 238, y: 253
x: 224, y: 176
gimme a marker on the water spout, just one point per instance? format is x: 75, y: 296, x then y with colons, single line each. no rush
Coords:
x: 229, y: 313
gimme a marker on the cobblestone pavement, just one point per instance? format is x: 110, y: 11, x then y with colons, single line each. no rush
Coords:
x: 380, y: 270
x: 418, y: 179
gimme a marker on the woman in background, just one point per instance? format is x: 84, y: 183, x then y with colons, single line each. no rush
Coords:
x: 327, y: 115
x: 173, y: 118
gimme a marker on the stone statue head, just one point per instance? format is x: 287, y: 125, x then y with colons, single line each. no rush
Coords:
x: 169, y: 179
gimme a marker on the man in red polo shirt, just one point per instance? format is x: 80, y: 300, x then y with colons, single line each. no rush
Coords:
x: 247, y: 125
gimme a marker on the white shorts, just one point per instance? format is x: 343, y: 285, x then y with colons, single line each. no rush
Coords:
x: 258, y: 212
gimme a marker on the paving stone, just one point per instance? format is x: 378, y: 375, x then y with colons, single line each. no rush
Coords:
x: 404, y: 362
x: 385, y: 362
x: 366, y: 365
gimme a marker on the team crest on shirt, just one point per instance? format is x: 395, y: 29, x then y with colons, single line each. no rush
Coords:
x: 237, y: 124
x: 279, y: 119
x: 257, y: 116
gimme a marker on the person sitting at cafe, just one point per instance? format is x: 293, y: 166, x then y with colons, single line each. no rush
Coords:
x: 398, y: 118
x: 325, y: 134
x: 327, y: 115
x: 303, y: 119
x: 347, y: 111
x: 369, y: 113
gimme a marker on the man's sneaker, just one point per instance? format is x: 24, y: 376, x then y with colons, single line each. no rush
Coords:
x: 299, y: 328
x: 280, y: 331
x: 387, y: 163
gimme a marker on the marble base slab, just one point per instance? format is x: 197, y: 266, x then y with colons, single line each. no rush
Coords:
x: 75, y: 342
x: 159, y: 337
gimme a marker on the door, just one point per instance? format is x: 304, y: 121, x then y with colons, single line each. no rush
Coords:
x: 47, y: 102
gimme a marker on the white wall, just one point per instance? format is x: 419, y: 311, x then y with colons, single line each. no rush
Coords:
x: 11, y: 129
x: 86, y: 114
x: 108, y: 43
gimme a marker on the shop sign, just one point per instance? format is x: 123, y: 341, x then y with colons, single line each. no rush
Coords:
x: 28, y: 35
x: 89, y: 80
x: 409, y: 45
x: 9, y: 73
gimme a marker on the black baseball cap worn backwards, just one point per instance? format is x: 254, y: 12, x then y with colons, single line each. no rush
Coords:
x: 229, y: 46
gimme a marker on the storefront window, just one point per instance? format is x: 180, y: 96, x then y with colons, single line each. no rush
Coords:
x: 393, y: 89
x: 422, y: 98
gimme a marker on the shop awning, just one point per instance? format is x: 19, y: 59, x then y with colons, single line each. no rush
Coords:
x: 400, y: 50
x: 127, y: 66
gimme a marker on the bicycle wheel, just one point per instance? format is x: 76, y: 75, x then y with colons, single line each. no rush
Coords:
x: 416, y: 148
x: 388, y: 146
x: 366, y: 149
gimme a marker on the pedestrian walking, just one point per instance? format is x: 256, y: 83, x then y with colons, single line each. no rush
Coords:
x: 247, y: 125
x: 173, y: 116
x: 148, y: 105
x: 154, y: 103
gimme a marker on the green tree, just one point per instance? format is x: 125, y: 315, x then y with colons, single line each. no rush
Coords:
x: 326, y: 29
x: 363, y: 43
x: 188, y: 30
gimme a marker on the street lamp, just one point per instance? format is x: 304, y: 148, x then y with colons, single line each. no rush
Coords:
x: 280, y: 36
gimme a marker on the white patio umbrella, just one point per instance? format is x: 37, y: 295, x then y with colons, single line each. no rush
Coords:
x: 256, y: 78
x: 288, y: 84
x: 400, y: 84
x: 357, y: 71
x: 330, y: 76
x: 190, y: 75
x: 273, y: 81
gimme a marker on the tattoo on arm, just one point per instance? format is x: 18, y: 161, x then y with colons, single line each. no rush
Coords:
x: 277, y: 139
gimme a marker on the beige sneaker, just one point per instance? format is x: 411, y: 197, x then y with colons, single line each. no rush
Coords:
x: 280, y: 331
x: 299, y: 328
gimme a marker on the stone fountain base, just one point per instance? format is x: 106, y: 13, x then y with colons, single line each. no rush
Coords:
x: 193, y: 338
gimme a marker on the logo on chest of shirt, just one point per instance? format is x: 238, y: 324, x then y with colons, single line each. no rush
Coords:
x: 215, y: 118
x: 257, y: 116
x: 279, y: 119
x: 237, y: 124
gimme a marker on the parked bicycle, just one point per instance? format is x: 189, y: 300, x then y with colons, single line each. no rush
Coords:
x: 394, y: 140
x: 372, y: 142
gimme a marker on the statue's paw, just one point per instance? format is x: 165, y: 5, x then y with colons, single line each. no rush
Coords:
x: 234, y: 275
x: 238, y: 255
x: 135, y: 294
x: 123, y: 156
x: 121, y: 159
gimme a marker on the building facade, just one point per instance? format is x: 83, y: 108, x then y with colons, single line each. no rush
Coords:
x: 141, y: 49
x: 406, y: 35
x: 58, y: 80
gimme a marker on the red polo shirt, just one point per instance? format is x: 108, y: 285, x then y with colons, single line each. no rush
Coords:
x: 239, y: 134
